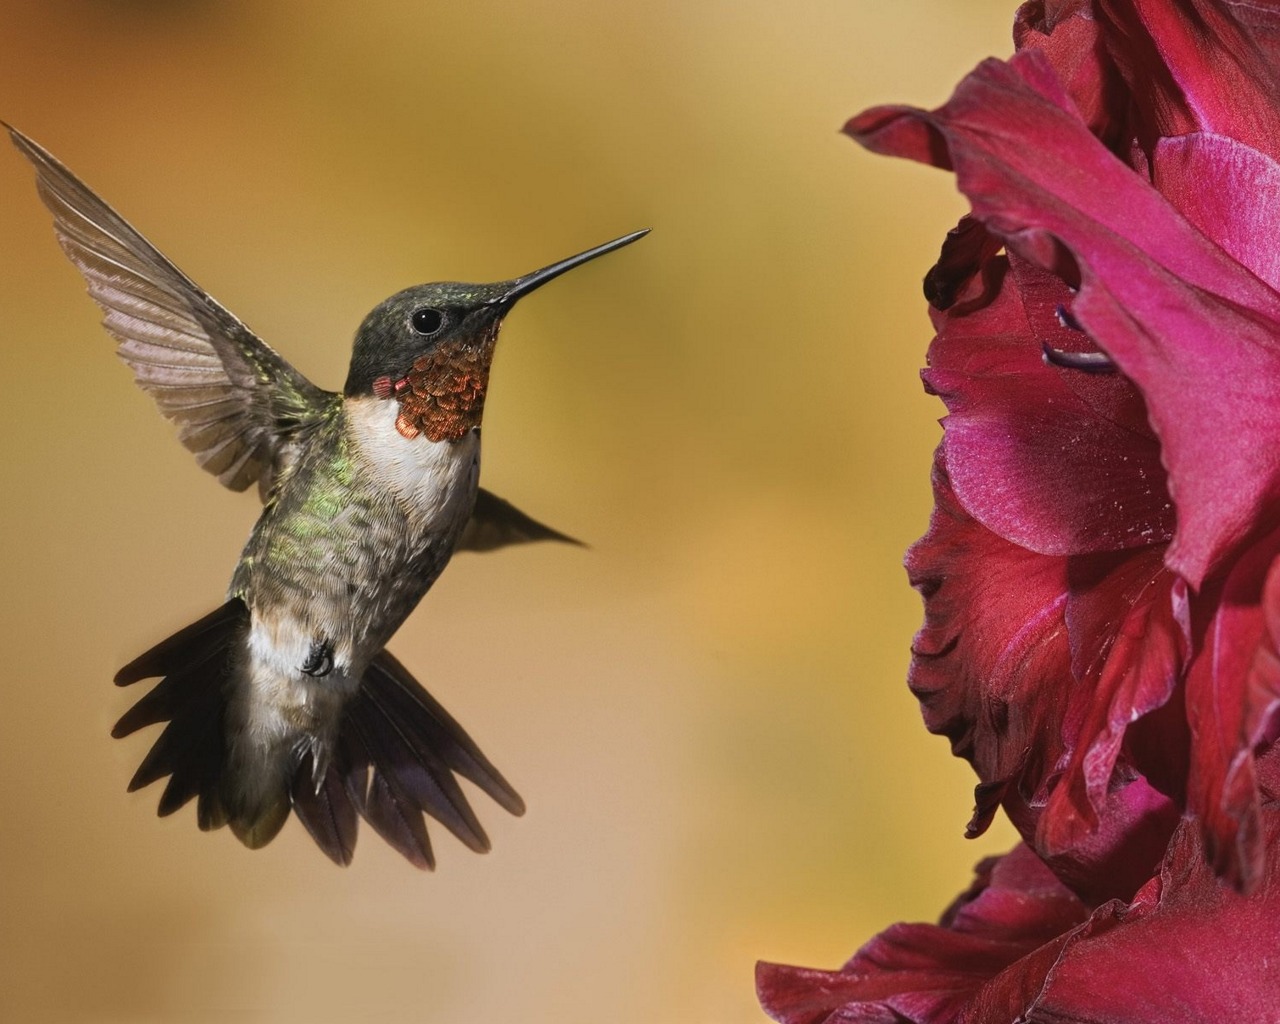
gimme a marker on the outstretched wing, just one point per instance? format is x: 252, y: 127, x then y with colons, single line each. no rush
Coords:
x: 238, y: 406
x: 495, y: 523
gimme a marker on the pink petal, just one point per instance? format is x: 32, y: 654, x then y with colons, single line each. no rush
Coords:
x: 926, y: 973
x: 1189, y: 949
x: 1191, y: 327
x: 1233, y: 694
x: 1196, y: 66
x: 991, y: 662
x: 1056, y: 461
x: 1246, y: 230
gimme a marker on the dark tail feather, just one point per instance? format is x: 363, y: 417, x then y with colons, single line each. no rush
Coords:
x: 393, y: 760
x: 382, y: 800
x: 440, y: 731
x: 495, y: 523
x: 194, y: 642
x: 402, y: 748
x: 191, y: 698
x: 326, y: 811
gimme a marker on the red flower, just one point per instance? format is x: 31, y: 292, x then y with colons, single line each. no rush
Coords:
x: 1100, y: 576
x: 1020, y: 946
x: 1124, y: 161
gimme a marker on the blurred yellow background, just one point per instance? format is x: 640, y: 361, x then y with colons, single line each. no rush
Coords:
x: 706, y: 711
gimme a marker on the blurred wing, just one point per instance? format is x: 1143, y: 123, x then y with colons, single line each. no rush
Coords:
x: 496, y: 524
x: 238, y: 406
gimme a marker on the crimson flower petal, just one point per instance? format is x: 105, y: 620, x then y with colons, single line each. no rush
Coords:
x: 1194, y: 324
x: 1042, y: 456
x: 1194, y: 66
x: 1233, y: 693
x: 1188, y: 949
x: 1192, y: 327
x: 1189, y: 325
x: 927, y: 973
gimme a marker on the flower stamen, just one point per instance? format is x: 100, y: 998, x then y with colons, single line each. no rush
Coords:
x: 1089, y: 362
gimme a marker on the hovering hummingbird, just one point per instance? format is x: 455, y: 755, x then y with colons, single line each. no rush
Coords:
x: 285, y: 697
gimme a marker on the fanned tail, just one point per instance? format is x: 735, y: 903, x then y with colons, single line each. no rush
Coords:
x: 392, y: 762
x: 195, y: 663
x: 396, y: 755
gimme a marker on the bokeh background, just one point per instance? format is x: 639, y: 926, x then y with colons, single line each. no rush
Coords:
x: 706, y: 711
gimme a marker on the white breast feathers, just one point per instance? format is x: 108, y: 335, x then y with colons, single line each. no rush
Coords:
x: 434, y: 480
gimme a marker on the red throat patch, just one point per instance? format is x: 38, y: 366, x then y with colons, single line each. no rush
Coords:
x: 442, y: 397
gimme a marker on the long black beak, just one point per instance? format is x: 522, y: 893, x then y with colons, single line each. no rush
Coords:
x: 524, y: 285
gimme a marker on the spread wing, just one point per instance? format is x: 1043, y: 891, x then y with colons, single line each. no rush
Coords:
x: 238, y: 406
x: 498, y: 524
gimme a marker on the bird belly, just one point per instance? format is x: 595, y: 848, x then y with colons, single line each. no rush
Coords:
x: 357, y: 535
x: 424, y: 493
x: 302, y: 662
x: 359, y: 530
x: 275, y: 719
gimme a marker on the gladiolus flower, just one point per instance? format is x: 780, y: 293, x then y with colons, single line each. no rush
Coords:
x: 1020, y: 946
x: 1100, y: 576
x: 1142, y: 503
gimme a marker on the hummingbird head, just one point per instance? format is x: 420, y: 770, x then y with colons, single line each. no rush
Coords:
x: 430, y: 347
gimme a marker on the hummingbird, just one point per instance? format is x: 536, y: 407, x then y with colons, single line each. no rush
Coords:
x: 285, y: 698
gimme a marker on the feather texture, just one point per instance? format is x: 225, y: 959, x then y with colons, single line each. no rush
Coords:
x: 402, y: 750
x: 326, y: 811
x: 393, y: 761
x: 496, y: 523
x: 429, y: 724
x: 239, y: 407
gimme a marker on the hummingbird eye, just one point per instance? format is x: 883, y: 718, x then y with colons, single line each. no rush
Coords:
x: 427, y: 321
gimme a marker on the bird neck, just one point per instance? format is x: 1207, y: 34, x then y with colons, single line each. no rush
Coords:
x: 442, y: 397
x: 434, y: 480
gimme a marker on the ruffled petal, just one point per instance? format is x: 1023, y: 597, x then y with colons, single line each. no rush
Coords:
x: 1233, y: 696
x: 1127, y: 621
x: 1194, y: 330
x: 1196, y: 66
x: 991, y: 661
x: 1056, y: 461
x: 927, y: 973
x: 992, y: 669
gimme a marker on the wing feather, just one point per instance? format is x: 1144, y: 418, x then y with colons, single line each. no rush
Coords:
x: 496, y: 523
x: 239, y: 407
